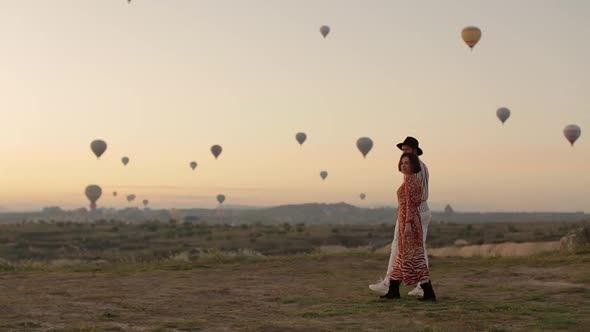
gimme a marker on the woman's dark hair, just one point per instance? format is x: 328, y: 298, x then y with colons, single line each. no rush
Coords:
x: 414, y: 162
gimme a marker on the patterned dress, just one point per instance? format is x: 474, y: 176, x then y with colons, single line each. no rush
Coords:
x: 409, y: 265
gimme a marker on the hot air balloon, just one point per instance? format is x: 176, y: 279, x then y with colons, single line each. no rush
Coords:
x: 363, y: 195
x: 324, y: 175
x: 93, y: 193
x: 572, y: 133
x: 503, y: 114
x: 300, y: 137
x: 324, y: 30
x: 220, y: 198
x: 98, y: 147
x: 114, y: 193
x: 145, y: 202
x: 125, y: 160
x: 364, y: 144
x: 130, y: 198
x: 216, y: 150
x: 193, y: 165
x: 471, y: 36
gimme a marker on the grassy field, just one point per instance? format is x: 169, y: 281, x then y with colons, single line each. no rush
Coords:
x: 114, y: 276
x: 116, y: 241
x: 296, y: 293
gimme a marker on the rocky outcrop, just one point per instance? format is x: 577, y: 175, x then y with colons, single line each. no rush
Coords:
x: 576, y: 241
x: 460, y: 243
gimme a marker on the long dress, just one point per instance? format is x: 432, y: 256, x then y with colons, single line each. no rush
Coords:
x: 409, y: 265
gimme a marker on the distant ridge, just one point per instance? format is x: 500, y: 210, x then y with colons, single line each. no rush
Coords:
x: 309, y: 213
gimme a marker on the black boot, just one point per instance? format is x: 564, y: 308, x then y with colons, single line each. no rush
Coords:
x: 393, y: 292
x: 428, y: 292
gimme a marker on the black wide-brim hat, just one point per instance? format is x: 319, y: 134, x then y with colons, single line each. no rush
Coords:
x: 411, y: 141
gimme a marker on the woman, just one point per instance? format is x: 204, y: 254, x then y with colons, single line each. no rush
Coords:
x: 409, y: 265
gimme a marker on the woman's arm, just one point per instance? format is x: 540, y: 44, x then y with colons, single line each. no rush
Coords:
x: 413, y: 200
x: 415, y: 191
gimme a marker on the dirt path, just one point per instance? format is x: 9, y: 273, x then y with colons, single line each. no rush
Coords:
x: 299, y: 294
x: 508, y: 249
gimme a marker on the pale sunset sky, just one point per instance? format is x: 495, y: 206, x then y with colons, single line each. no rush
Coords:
x: 162, y: 80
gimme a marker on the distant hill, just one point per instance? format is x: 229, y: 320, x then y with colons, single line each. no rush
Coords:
x: 463, y: 217
x: 241, y: 207
x: 317, y: 213
x: 311, y: 213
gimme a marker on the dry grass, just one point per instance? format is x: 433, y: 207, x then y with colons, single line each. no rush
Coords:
x: 296, y: 293
x: 116, y: 241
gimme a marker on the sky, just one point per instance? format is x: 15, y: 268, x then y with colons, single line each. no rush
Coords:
x: 162, y: 81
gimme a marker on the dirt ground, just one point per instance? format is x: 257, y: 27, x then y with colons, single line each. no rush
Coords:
x: 508, y: 249
x: 299, y: 293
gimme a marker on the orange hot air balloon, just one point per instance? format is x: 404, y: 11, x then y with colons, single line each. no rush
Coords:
x: 471, y: 36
